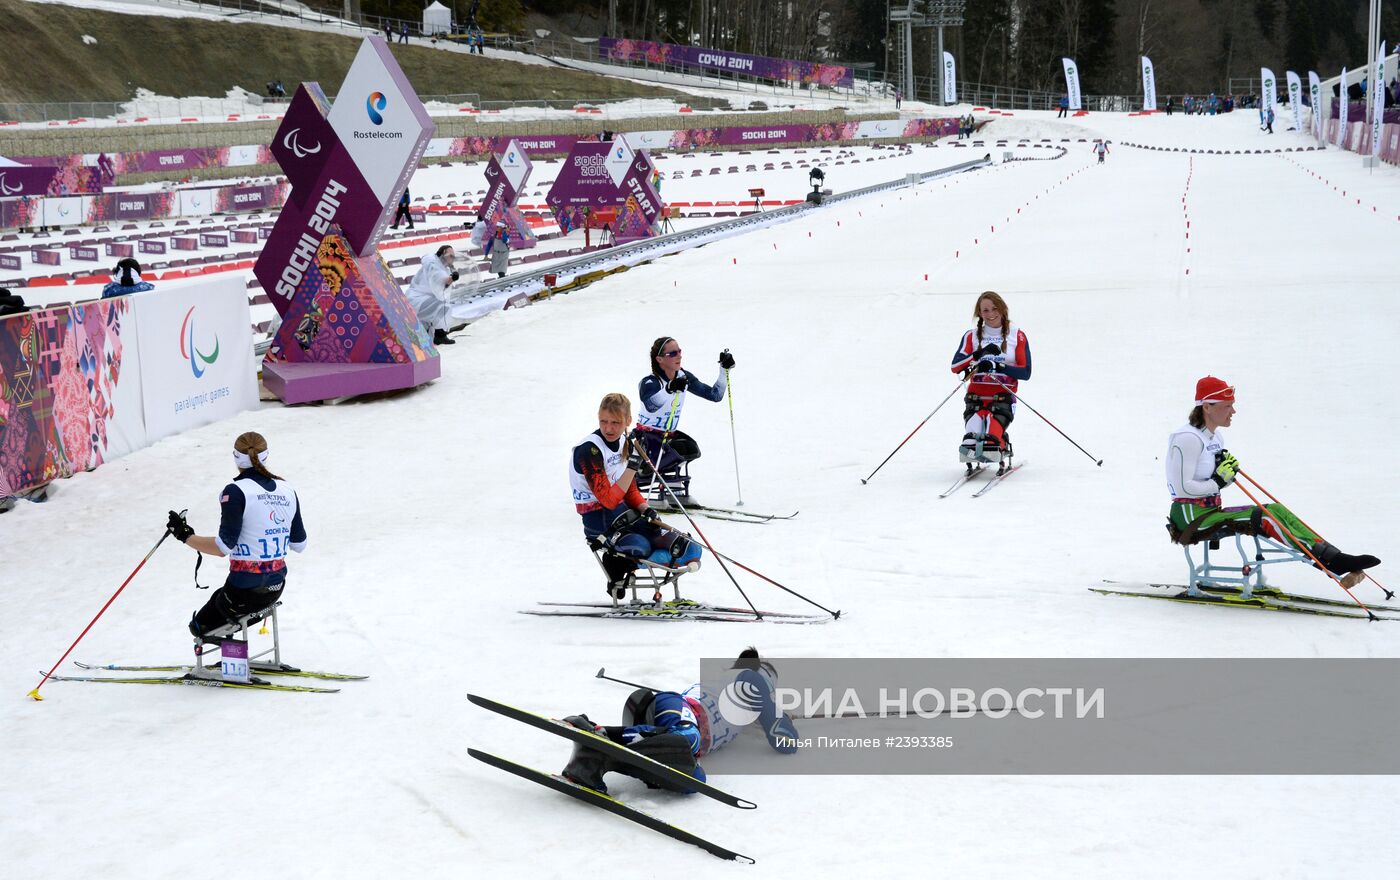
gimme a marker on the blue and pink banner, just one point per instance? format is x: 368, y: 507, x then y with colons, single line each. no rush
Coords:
x: 698, y: 58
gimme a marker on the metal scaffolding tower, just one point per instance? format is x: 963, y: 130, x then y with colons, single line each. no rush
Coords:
x: 907, y: 15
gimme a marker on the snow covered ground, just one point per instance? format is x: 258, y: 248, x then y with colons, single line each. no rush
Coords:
x: 436, y: 515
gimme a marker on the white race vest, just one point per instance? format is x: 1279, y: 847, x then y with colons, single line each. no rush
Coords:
x: 1205, y: 462
x: 662, y: 418
x: 267, y: 522
x: 612, y: 461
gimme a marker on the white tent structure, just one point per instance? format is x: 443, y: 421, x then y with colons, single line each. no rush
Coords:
x: 437, y: 19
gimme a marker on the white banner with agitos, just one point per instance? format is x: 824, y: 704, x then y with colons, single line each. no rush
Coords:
x: 196, y: 344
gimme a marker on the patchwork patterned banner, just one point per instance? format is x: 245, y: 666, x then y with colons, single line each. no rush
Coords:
x: 69, y: 398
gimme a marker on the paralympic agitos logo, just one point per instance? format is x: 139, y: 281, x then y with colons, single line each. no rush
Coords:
x: 192, y: 354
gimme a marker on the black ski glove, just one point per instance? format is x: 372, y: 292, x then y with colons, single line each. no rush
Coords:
x: 651, y: 515
x: 456, y: 274
x: 989, y: 348
x: 1225, y: 469
x: 634, y: 457
x: 677, y: 385
x: 985, y: 367
x: 178, y: 528
x: 726, y: 360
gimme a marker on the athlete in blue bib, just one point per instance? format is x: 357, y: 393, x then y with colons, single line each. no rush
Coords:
x: 678, y: 728
x: 259, y: 521
x: 663, y: 392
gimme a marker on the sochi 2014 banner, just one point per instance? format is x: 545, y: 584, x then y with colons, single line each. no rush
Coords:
x: 1072, y: 84
x: 1315, y: 93
x: 124, y: 206
x: 1149, y: 85
x: 70, y: 391
x: 1377, y: 99
x: 950, y: 79
x: 783, y: 69
x: 1295, y: 98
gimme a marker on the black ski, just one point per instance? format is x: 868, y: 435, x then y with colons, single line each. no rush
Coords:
x: 648, y: 613
x: 1265, y: 592
x: 256, y: 684
x: 660, y: 773
x: 688, y: 605
x: 256, y: 668
x: 611, y: 804
x: 1236, y: 602
x: 727, y: 514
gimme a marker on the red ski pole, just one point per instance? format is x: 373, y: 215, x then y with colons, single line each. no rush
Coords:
x: 34, y: 694
x: 1301, y: 546
x: 1389, y: 594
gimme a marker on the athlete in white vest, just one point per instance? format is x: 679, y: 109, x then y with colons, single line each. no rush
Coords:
x: 662, y: 393
x: 260, y: 520
x: 999, y: 357
x: 616, y: 518
x: 1199, y: 467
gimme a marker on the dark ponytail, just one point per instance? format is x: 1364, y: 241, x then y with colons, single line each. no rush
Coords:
x: 656, y: 347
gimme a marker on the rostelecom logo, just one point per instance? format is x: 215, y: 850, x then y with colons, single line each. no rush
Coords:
x: 192, y: 354
x: 374, y: 104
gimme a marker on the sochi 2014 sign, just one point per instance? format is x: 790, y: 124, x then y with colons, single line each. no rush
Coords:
x: 605, y: 174
x: 347, y: 166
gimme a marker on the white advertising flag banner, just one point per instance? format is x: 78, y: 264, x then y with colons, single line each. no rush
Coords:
x: 1315, y: 101
x: 196, y: 354
x: 879, y: 128
x: 1342, y: 111
x: 1295, y: 99
x: 950, y: 79
x: 647, y: 140
x: 245, y: 154
x: 1149, y: 85
x: 1268, y: 89
x: 1072, y: 83
x: 196, y: 202
x: 1377, y: 100
x: 63, y: 211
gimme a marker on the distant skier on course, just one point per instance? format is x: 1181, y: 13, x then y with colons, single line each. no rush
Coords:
x: 998, y: 356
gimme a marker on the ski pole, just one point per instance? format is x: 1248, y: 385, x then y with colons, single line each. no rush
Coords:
x: 1021, y: 399
x: 916, y: 430
x: 602, y: 673
x: 34, y: 694
x: 733, y: 438
x: 1301, y: 546
x: 1389, y: 594
x: 835, y: 615
x: 666, y: 487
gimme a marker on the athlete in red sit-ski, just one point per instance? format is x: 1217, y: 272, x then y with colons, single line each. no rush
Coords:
x: 999, y: 356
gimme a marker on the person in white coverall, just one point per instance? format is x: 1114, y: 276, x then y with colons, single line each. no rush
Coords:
x: 428, y: 292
